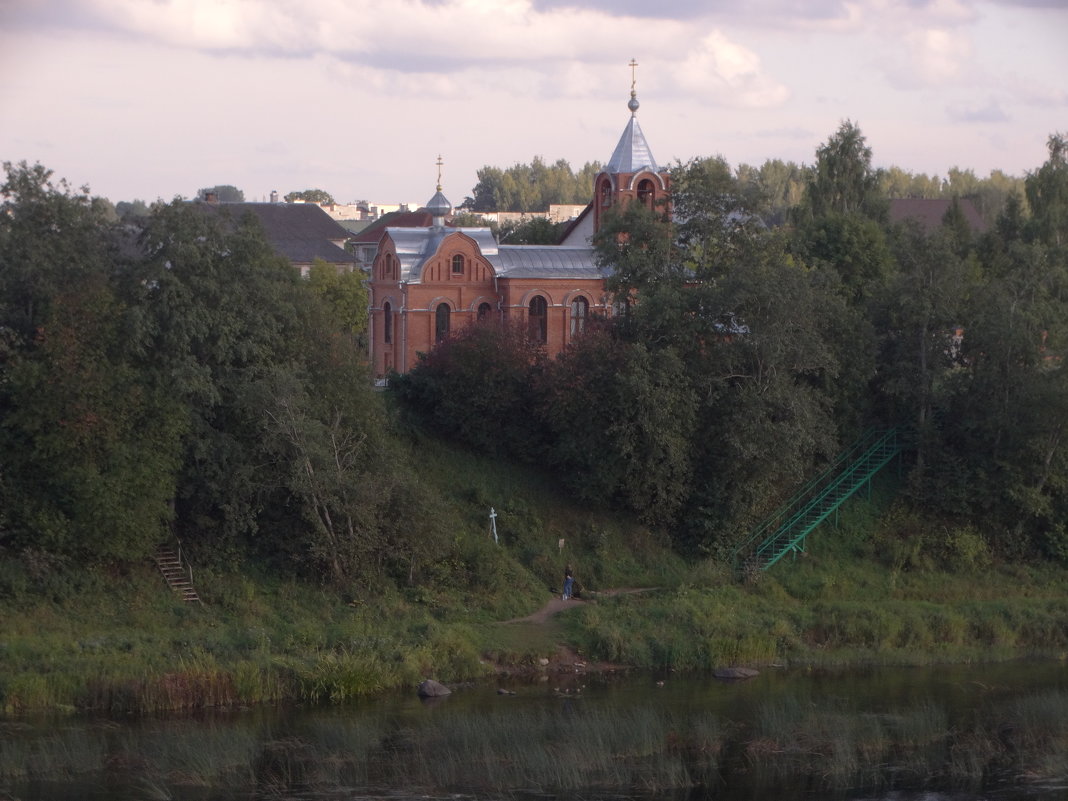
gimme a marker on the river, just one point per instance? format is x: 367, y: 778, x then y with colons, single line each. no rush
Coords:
x: 960, y: 733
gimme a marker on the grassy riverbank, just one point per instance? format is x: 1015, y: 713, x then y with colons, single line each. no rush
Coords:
x: 878, y: 588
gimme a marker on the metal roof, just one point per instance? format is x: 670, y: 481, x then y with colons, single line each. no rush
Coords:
x: 415, y: 245
x: 545, y: 261
x: 632, y: 154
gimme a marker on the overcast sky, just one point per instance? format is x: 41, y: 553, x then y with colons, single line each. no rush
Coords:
x: 157, y: 98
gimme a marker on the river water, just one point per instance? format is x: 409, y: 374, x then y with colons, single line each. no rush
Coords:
x: 959, y: 733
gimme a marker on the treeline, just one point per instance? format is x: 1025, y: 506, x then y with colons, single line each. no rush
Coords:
x: 178, y: 376
x: 531, y: 187
x: 780, y: 184
x: 747, y: 356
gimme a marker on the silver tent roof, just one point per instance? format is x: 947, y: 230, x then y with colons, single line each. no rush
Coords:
x: 632, y: 154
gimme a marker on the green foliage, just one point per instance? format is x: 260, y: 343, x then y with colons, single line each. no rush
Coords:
x: 531, y: 187
x: 224, y: 193
x: 1047, y: 193
x: 89, y: 442
x: 638, y: 453
x: 535, y: 231
x: 843, y: 181
x: 319, y: 196
x: 475, y: 386
x: 345, y: 294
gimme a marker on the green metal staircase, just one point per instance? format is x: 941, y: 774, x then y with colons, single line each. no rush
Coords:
x: 785, y: 531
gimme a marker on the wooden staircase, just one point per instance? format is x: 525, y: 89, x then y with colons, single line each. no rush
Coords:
x: 177, y: 573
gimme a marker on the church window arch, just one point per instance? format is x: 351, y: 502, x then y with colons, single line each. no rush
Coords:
x: 580, y: 311
x: 441, y: 322
x: 458, y: 264
x: 484, y: 311
x: 646, y: 193
x: 538, y: 319
x: 606, y: 194
x: 387, y: 323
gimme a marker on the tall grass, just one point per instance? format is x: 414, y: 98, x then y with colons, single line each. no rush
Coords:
x: 874, y: 590
x: 570, y: 747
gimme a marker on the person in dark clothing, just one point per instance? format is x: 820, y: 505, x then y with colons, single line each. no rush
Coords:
x: 569, y: 581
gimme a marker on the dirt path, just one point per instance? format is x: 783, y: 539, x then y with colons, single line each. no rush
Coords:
x: 556, y: 604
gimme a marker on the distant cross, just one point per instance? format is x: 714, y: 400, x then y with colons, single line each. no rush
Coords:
x: 493, y: 525
x: 633, y: 74
x: 440, y: 162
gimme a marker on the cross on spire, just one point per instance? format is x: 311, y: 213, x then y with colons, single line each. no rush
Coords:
x: 439, y: 162
x: 633, y: 104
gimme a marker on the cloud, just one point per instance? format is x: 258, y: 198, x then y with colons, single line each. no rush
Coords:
x: 930, y: 57
x: 450, y: 48
x: 766, y: 12
x: 991, y: 112
x: 729, y: 74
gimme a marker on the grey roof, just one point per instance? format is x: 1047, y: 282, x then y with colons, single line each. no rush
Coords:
x: 302, y: 232
x: 928, y: 212
x: 439, y: 205
x: 632, y: 154
x: 545, y: 261
x: 415, y: 245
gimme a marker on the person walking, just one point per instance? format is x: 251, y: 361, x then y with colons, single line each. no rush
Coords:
x: 569, y: 581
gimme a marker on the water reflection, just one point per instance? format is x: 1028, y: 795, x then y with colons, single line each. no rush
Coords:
x: 942, y: 734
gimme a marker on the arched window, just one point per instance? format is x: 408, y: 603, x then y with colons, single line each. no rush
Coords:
x: 645, y: 193
x: 484, y: 311
x: 538, y: 319
x: 606, y: 194
x: 387, y: 324
x: 441, y: 322
x: 458, y: 264
x: 580, y: 310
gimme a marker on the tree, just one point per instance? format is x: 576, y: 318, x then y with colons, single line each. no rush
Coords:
x: 531, y: 187
x: 535, y: 231
x: 90, y: 445
x: 476, y: 386
x: 224, y: 193
x: 319, y: 196
x: 217, y: 309
x: 1047, y: 193
x: 133, y: 209
x: 843, y: 181
x: 345, y: 294
x: 620, y: 417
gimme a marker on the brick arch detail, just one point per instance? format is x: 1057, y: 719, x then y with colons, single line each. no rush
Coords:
x: 392, y: 301
x: 531, y: 294
x: 661, y: 184
x: 570, y: 297
x: 433, y: 305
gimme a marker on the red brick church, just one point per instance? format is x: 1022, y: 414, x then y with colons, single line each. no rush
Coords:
x: 428, y: 281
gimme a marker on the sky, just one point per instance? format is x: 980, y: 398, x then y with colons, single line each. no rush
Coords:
x: 148, y: 99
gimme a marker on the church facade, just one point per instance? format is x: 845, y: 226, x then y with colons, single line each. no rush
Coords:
x: 429, y: 281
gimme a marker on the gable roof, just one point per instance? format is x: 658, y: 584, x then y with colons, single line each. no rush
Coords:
x: 929, y: 212
x: 394, y: 219
x: 302, y: 232
x: 414, y: 246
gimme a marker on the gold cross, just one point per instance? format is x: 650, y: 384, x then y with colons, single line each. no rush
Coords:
x: 440, y: 162
x: 633, y: 78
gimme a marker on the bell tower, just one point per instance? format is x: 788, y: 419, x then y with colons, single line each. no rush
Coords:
x: 632, y: 173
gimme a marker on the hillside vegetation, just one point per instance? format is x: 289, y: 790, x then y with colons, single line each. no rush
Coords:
x: 173, y: 378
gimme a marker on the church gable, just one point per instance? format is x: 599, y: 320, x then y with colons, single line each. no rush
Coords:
x: 457, y: 259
